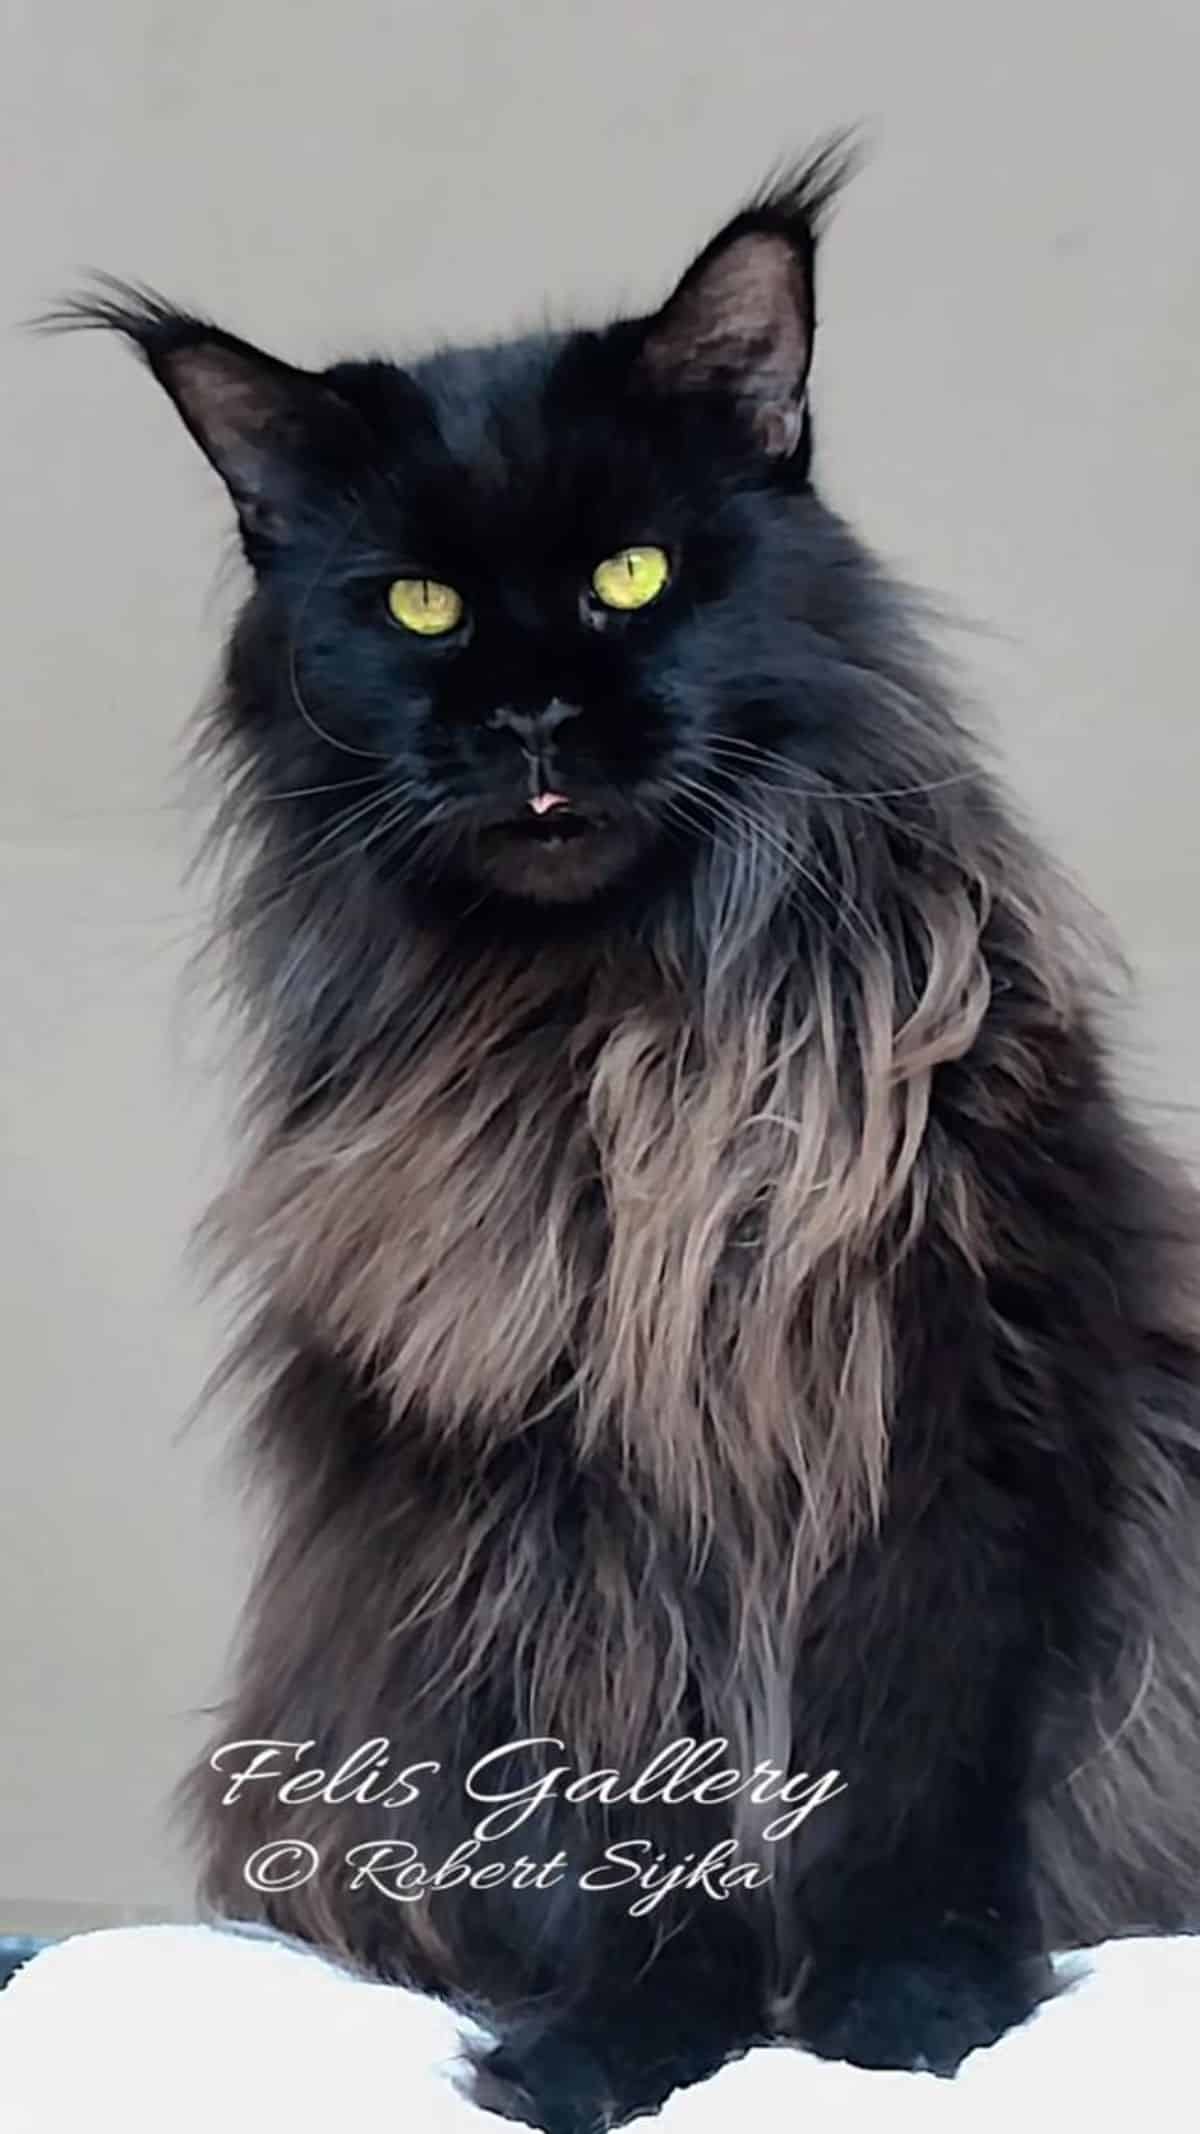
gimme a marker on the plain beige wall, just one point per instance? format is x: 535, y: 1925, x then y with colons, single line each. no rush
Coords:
x: 1008, y: 402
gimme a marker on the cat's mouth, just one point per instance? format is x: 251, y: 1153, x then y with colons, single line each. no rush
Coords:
x: 547, y: 821
x: 564, y: 826
x: 552, y: 849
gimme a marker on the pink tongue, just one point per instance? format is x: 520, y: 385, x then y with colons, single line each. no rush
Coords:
x: 542, y: 803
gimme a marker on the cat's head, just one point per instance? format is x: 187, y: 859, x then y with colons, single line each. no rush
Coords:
x: 525, y: 617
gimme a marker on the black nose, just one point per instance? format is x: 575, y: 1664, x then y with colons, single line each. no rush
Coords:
x: 535, y: 727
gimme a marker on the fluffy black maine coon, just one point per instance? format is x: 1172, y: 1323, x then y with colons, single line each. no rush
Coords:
x: 701, y: 1282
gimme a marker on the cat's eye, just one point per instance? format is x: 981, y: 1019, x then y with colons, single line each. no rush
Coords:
x: 424, y: 606
x: 632, y: 578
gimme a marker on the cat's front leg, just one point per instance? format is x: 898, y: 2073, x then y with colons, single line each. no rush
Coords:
x: 924, y: 1943
x: 920, y: 1926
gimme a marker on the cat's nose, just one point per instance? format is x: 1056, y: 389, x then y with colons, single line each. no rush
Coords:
x: 534, y: 728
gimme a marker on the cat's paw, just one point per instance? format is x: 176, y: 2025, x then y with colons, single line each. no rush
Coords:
x: 554, y: 2086
x: 566, y: 2084
x: 920, y: 2009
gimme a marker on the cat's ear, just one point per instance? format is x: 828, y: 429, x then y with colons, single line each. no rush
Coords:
x: 263, y: 424
x: 740, y: 323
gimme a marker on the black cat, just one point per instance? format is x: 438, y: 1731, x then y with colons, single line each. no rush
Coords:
x: 701, y: 1281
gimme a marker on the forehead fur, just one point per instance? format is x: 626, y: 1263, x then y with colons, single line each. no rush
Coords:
x: 535, y: 447
x: 492, y: 403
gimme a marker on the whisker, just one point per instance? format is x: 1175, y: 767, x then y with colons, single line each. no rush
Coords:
x: 250, y: 904
x: 821, y: 790
x: 743, y: 820
x: 337, y: 785
x: 347, y: 747
x: 347, y: 819
x: 819, y: 793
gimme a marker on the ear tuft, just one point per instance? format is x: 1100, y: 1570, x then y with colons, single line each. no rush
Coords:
x: 146, y: 319
x: 740, y: 324
x: 799, y: 196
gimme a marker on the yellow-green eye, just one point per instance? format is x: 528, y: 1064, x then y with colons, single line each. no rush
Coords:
x: 632, y: 578
x: 421, y: 604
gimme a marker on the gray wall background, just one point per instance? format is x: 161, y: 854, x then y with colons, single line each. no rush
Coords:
x: 1008, y: 404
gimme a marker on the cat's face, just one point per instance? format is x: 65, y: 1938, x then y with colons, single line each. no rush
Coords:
x: 520, y: 613
x: 546, y: 616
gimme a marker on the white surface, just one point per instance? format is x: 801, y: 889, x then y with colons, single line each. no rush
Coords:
x: 185, y: 2027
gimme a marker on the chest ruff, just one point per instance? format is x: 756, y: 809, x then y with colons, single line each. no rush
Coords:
x: 679, y: 1232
